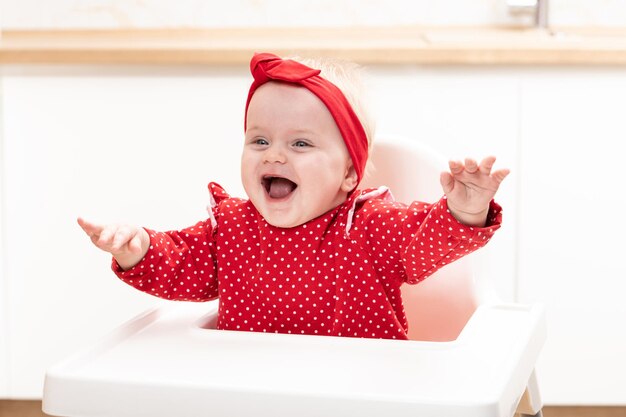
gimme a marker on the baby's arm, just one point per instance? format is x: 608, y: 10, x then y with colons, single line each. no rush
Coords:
x: 128, y: 244
x: 470, y: 187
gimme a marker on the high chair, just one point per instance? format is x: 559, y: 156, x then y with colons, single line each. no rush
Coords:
x: 469, y: 355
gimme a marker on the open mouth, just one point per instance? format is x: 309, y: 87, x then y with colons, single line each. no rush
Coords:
x: 278, y: 187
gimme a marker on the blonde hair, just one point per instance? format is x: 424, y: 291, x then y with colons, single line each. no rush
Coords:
x: 349, y: 78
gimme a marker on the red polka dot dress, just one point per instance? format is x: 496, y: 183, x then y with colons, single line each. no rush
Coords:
x: 338, y: 274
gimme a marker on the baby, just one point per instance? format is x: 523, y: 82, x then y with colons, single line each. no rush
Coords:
x: 307, y: 252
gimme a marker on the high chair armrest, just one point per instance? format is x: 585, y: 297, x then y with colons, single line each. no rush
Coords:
x: 167, y: 362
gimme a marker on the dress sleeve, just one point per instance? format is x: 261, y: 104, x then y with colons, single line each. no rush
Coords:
x: 412, y: 242
x: 180, y: 265
x: 432, y: 237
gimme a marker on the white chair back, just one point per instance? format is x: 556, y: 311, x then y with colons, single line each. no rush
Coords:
x: 439, y: 307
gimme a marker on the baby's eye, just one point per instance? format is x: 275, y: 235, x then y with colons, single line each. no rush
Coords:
x: 260, y: 141
x: 301, y: 144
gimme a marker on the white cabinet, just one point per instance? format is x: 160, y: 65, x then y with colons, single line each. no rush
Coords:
x: 140, y: 144
x: 561, y: 130
x: 110, y: 145
x: 4, y: 309
x: 572, y: 230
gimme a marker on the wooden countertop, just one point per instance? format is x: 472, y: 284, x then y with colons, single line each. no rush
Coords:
x: 368, y: 45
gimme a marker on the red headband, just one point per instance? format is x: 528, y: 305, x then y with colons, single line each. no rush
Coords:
x: 269, y: 67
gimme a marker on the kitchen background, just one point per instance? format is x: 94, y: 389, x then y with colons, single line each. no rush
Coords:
x: 139, y: 143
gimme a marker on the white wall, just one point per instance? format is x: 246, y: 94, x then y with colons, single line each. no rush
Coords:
x: 216, y: 13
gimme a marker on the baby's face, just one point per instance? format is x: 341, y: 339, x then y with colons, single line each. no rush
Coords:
x: 295, y: 165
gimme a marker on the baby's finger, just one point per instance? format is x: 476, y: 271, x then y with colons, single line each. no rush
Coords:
x: 456, y: 167
x: 486, y: 164
x: 106, y: 237
x: 90, y: 228
x: 500, y: 174
x: 135, y: 244
x: 470, y: 165
x: 122, y: 236
x: 447, y: 182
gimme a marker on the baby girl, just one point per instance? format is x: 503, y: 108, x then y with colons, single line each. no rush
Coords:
x: 308, y: 252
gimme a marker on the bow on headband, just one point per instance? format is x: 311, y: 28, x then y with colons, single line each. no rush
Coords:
x: 269, y: 67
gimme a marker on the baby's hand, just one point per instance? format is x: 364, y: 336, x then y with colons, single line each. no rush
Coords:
x: 470, y: 188
x: 128, y: 244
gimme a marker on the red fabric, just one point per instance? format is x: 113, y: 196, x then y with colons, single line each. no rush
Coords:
x: 311, y: 279
x: 269, y: 67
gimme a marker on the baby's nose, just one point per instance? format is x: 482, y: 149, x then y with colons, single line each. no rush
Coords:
x: 275, y: 154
